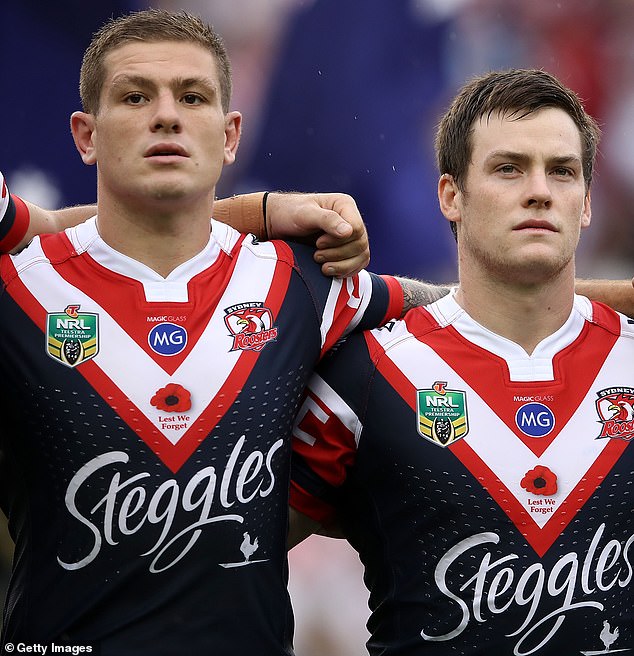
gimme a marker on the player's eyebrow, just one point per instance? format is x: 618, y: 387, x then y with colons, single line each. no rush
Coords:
x: 515, y: 156
x: 126, y: 80
x: 177, y: 84
x: 206, y: 83
x: 566, y: 160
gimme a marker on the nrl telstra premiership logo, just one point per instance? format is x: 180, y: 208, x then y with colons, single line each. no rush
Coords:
x: 72, y: 337
x: 442, y: 414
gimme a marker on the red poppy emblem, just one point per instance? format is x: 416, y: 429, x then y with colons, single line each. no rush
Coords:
x: 540, y: 480
x: 172, y: 398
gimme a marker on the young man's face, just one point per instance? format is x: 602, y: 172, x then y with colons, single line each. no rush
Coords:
x: 161, y: 135
x: 525, y: 200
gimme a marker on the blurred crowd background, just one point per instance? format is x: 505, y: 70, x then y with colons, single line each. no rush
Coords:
x: 341, y: 95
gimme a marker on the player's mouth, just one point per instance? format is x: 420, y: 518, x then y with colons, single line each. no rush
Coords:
x: 166, y: 150
x: 536, y: 225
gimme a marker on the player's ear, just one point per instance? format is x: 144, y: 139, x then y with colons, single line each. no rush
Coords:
x: 233, y: 128
x: 448, y: 197
x: 586, y: 215
x: 82, y: 126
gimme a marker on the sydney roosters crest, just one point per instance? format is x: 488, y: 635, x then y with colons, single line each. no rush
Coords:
x: 251, y: 326
x: 615, y: 406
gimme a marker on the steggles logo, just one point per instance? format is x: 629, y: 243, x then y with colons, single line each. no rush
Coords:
x: 615, y: 407
x: 173, y: 515
x: 570, y: 585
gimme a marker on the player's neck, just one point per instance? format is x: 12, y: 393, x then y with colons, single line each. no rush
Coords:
x: 162, y: 240
x: 524, y: 314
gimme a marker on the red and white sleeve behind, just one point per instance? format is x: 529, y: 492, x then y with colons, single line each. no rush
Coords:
x: 325, y: 435
x: 347, y: 303
x: 14, y: 218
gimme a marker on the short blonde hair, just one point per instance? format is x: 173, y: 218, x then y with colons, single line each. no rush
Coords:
x: 151, y: 25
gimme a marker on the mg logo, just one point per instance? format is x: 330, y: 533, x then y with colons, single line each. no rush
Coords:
x: 167, y: 339
x: 535, y: 419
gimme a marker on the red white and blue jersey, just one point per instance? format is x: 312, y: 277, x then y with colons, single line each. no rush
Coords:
x: 145, y: 437
x: 488, y: 492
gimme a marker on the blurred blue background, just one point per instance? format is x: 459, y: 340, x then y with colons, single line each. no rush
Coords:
x: 339, y: 95
x: 344, y: 96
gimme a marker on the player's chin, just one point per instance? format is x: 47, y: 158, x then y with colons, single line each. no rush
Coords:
x: 171, y: 189
x: 540, y: 268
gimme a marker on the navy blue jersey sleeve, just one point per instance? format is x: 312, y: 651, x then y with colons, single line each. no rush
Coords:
x: 349, y: 304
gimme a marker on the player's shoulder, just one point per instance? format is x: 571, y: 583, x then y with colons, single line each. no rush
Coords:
x: 31, y: 255
x: 626, y: 326
x: 228, y: 239
x: 414, y: 326
x: 391, y: 333
x: 287, y: 252
x: 57, y: 247
x: 604, y: 317
x: 47, y: 250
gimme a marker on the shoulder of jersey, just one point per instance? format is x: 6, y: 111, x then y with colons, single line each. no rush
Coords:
x: 30, y: 255
x: 414, y: 325
x: 605, y: 317
x: 227, y: 237
x: 627, y: 326
x: 72, y: 242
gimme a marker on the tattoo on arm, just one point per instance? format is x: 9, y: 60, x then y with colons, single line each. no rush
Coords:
x: 417, y: 293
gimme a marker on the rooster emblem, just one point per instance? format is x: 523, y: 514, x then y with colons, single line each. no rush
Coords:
x: 248, y: 547
x: 616, y: 412
x: 622, y: 409
x: 608, y: 637
x: 251, y: 325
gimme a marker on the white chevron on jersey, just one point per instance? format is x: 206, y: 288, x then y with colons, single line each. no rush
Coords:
x: 510, y: 464
x: 127, y: 376
x: 132, y: 370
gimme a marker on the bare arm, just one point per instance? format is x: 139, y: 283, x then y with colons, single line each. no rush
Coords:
x: 417, y: 292
x: 331, y: 221
x: 242, y: 212
x: 618, y: 294
x: 43, y: 221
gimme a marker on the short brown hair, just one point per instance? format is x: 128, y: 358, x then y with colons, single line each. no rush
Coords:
x: 151, y: 25
x: 514, y: 94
